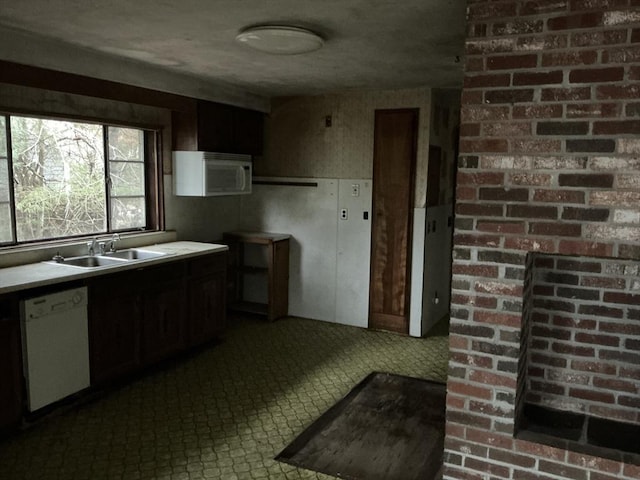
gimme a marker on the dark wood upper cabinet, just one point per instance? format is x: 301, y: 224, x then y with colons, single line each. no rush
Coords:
x: 216, y: 127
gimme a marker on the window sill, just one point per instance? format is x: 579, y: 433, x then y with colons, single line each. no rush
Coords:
x: 23, y: 255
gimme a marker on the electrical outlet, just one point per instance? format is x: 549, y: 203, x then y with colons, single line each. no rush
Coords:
x: 355, y: 190
x: 343, y: 214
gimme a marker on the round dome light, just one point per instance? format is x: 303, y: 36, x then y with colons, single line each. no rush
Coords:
x: 280, y: 39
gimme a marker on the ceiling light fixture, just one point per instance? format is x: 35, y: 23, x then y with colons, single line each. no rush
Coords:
x: 280, y: 39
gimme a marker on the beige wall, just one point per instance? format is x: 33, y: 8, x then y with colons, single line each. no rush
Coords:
x: 298, y: 144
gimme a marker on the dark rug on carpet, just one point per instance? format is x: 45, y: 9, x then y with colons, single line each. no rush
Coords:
x: 388, y: 427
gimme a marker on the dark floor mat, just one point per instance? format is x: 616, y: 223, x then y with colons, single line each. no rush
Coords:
x: 388, y: 427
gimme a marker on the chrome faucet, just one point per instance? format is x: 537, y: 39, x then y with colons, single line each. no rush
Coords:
x: 101, y: 246
x: 112, y: 243
x: 91, y: 246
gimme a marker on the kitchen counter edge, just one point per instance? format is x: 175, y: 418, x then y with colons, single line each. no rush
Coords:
x: 33, y: 275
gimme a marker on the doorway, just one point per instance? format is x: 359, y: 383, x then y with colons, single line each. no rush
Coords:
x: 394, y: 159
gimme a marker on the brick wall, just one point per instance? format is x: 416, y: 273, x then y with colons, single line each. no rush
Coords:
x: 549, y: 163
x: 584, y: 354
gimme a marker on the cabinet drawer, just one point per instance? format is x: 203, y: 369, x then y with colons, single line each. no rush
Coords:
x: 206, y: 264
x: 107, y: 286
x: 162, y: 273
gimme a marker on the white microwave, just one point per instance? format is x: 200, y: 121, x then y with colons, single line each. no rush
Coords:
x: 207, y: 174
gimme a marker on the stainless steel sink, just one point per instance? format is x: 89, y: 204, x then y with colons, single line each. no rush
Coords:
x: 89, y: 261
x: 120, y: 257
x: 133, y: 254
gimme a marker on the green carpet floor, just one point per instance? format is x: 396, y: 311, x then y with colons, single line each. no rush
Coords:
x: 223, y: 413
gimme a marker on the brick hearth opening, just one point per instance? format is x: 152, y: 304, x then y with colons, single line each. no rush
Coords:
x: 582, y: 353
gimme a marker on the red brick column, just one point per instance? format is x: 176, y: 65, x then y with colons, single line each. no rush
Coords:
x: 550, y: 162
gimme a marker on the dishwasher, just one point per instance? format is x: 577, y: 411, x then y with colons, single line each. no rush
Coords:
x: 55, y: 345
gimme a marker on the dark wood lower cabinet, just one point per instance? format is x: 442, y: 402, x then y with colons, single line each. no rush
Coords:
x: 140, y: 317
x: 136, y: 318
x: 163, y: 322
x: 113, y: 333
x: 11, y: 384
x: 206, y: 308
x: 207, y: 294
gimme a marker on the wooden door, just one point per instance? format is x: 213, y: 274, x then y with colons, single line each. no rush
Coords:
x: 394, y: 158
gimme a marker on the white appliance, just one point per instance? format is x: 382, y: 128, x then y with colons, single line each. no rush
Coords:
x: 56, y: 346
x: 206, y: 174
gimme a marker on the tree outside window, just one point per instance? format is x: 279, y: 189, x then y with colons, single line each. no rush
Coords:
x: 69, y: 179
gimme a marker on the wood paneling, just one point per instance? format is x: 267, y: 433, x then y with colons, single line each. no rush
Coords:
x: 18, y: 74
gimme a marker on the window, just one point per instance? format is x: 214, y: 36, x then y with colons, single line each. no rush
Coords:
x: 5, y: 199
x: 72, y: 179
x: 126, y: 178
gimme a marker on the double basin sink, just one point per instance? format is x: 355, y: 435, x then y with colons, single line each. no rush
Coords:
x: 107, y: 259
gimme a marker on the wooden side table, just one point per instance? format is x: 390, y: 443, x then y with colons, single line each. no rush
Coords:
x: 276, y: 272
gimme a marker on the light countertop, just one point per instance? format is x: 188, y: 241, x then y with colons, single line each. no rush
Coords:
x: 39, y: 274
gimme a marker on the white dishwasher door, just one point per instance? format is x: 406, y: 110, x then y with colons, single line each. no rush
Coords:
x: 56, y: 346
